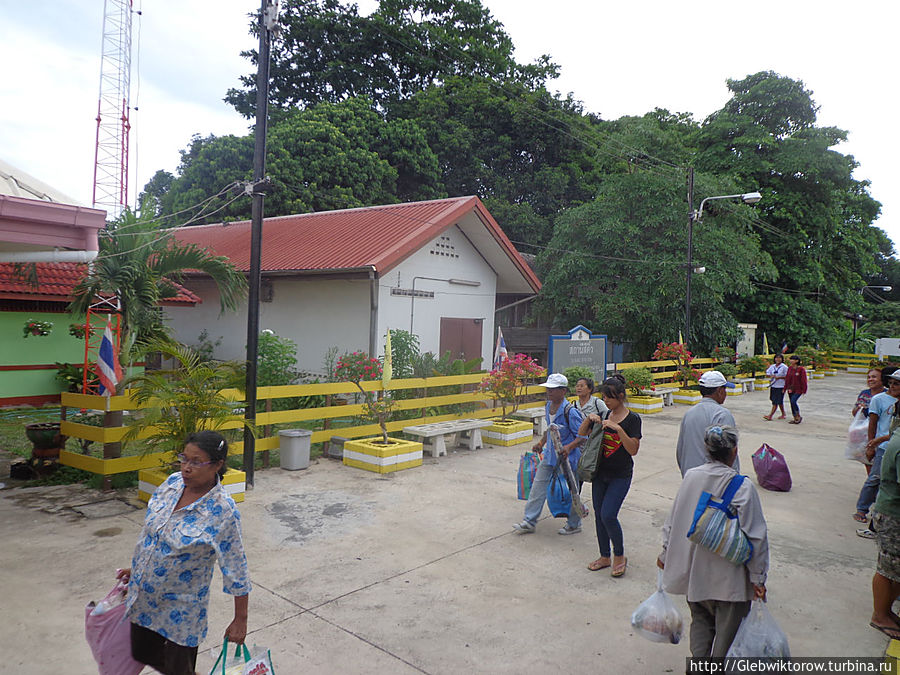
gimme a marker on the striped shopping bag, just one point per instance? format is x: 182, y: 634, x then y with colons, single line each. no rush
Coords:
x: 528, y: 465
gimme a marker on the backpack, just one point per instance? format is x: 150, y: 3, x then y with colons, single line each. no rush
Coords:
x: 590, y: 455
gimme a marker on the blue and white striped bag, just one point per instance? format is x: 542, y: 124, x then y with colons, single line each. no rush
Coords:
x: 716, y: 528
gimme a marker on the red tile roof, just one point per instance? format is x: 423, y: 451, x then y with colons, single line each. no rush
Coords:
x: 57, y: 281
x: 350, y: 239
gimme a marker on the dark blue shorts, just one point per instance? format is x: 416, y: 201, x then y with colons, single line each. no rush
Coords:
x: 776, y: 395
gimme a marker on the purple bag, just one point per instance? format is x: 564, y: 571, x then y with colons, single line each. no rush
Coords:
x: 771, y: 469
x: 108, y: 633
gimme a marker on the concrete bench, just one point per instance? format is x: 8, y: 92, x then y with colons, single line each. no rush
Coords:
x: 748, y: 382
x: 536, y: 415
x: 433, y: 434
x: 666, y: 393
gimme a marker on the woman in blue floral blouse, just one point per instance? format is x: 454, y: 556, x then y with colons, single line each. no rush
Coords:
x: 191, y: 523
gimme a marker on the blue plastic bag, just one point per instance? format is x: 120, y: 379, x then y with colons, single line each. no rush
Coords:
x: 559, y: 498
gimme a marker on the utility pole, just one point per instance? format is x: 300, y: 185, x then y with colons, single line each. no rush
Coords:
x: 690, y: 257
x: 267, y: 18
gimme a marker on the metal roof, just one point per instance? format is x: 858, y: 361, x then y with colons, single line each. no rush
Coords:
x: 16, y: 183
x: 378, y: 237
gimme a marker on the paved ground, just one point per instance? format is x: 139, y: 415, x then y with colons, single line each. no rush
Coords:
x: 420, y: 572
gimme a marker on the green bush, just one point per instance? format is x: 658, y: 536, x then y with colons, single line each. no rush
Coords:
x: 727, y: 369
x: 575, y: 373
x: 751, y: 365
x: 637, y: 379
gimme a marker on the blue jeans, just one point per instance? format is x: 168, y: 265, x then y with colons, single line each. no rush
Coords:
x: 795, y: 409
x: 608, y: 495
x: 870, y: 488
x: 538, y: 496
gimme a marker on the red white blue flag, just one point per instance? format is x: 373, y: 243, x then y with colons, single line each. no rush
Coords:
x: 500, y: 353
x: 109, y: 370
x: 784, y: 347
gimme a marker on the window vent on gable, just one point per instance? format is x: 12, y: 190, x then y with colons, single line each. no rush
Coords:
x: 443, y: 247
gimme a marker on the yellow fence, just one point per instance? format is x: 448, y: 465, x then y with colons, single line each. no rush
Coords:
x: 320, y: 414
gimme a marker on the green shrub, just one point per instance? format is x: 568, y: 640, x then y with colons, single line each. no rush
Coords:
x: 750, y: 365
x: 727, y: 369
x: 637, y: 379
x: 575, y: 373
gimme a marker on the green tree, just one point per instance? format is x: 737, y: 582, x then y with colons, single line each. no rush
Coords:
x: 327, y: 52
x: 139, y: 264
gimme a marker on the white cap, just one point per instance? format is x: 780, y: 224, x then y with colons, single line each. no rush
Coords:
x: 555, y: 381
x: 713, y: 378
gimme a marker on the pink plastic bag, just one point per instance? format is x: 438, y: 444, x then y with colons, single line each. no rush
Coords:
x: 108, y: 633
x: 771, y: 469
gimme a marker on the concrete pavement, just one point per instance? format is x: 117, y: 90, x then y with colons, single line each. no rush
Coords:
x: 420, y: 571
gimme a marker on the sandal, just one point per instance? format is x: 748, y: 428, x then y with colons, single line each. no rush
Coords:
x: 598, y: 564
x: 619, y: 570
x: 783, y: 417
x: 767, y: 417
x: 860, y: 517
x: 892, y: 632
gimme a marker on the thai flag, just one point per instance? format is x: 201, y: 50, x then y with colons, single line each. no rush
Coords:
x: 784, y: 347
x: 108, y: 367
x: 500, y: 353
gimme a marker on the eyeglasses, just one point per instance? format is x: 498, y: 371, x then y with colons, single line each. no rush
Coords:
x: 190, y: 462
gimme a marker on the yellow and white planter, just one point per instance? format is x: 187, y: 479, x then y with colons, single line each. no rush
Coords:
x: 372, y: 455
x: 762, y: 383
x: 829, y: 373
x: 859, y: 370
x: 737, y: 391
x: 817, y: 374
x: 687, y: 397
x: 234, y: 483
x: 507, y: 432
x: 645, y: 405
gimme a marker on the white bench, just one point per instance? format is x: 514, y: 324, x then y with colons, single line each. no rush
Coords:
x: 666, y: 393
x: 433, y: 434
x: 748, y: 382
x: 536, y: 415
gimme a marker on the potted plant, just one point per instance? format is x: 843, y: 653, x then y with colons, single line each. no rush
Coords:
x: 508, y: 385
x: 383, y: 454
x: 729, y: 370
x: 724, y: 354
x: 637, y: 381
x: 37, y: 328
x: 190, y: 396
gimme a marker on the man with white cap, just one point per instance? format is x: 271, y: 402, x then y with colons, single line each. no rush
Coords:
x: 568, y: 419
x: 691, y: 448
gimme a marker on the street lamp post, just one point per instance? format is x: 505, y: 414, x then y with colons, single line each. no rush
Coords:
x: 859, y: 317
x: 695, y: 217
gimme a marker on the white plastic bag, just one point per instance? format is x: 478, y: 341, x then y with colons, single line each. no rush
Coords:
x: 760, y: 636
x: 260, y: 663
x: 857, y: 438
x: 657, y: 618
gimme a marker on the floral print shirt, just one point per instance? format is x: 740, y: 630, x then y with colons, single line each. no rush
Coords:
x: 173, y: 561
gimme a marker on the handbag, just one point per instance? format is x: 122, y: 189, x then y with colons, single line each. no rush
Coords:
x: 233, y: 665
x: 858, y: 438
x: 528, y: 465
x: 716, y: 528
x: 559, y: 498
x: 108, y: 633
x: 590, y: 455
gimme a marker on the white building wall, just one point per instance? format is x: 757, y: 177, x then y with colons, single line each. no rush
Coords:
x: 449, y: 256
x: 316, y: 314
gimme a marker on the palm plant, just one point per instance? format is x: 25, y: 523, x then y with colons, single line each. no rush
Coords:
x: 190, y: 396
x: 140, y: 263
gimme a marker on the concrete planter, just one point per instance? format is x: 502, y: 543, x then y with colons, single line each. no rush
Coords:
x: 830, y: 373
x: 687, y: 397
x: 507, y: 432
x: 860, y: 370
x: 645, y: 405
x: 371, y: 454
x: 737, y: 391
x: 234, y: 483
x: 818, y: 375
x: 762, y: 384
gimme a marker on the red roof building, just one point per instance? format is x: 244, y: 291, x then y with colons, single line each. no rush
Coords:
x: 342, y: 278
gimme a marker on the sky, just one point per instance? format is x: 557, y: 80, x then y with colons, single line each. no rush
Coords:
x: 617, y: 58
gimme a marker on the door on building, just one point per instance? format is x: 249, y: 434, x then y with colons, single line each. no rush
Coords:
x: 461, y: 337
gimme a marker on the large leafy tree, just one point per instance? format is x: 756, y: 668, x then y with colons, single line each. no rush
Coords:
x: 326, y: 51
x: 815, y: 218
x: 140, y: 263
x: 617, y: 264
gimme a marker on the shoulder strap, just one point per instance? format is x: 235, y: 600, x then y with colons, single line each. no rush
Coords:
x: 733, y: 486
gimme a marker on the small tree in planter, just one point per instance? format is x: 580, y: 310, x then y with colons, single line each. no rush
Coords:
x: 750, y: 365
x: 810, y: 356
x: 507, y: 383
x: 358, y: 367
x: 727, y: 369
x: 724, y: 354
x: 637, y: 379
x: 677, y: 352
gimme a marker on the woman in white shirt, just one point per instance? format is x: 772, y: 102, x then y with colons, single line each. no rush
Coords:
x: 587, y: 403
x: 776, y: 372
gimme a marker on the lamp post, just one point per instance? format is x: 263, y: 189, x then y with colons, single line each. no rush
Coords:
x: 856, y: 318
x: 695, y: 217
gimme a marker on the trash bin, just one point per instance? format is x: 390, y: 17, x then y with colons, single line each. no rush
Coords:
x: 294, y: 447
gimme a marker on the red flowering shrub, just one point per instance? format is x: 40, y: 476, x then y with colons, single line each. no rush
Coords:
x: 507, y: 383
x: 357, y: 368
x: 677, y: 352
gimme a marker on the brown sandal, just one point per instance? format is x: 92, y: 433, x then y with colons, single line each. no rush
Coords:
x: 599, y: 565
x: 619, y: 570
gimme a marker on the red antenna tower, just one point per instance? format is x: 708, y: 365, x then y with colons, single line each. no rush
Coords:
x: 113, y: 108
